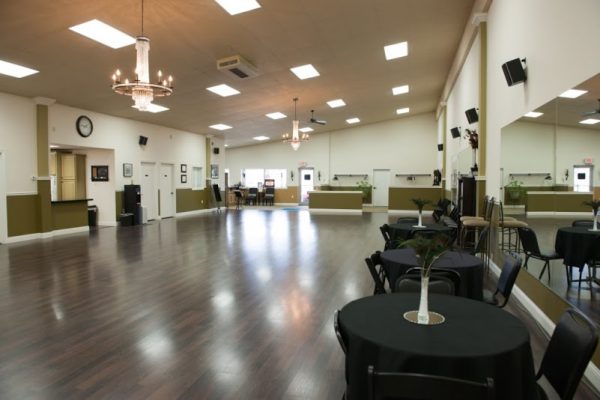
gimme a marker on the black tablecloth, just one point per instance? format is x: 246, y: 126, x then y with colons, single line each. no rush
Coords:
x: 476, y: 341
x: 402, y: 230
x: 397, y: 262
x: 576, y: 244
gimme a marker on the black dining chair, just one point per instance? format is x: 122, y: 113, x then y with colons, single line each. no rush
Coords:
x: 340, y: 338
x: 531, y: 249
x: 377, y: 272
x: 584, y: 223
x: 570, y: 349
x: 269, y: 196
x: 407, y: 220
x: 411, y: 283
x: 506, y: 280
x: 239, y: 199
x: 444, y: 272
x: 424, y: 233
x: 252, y: 196
x: 385, y: 232
x: 408, y: 386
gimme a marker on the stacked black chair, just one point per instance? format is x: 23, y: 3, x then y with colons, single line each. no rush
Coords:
x: 377, y: 272
x: 406, y: 386
x: 385, y: 232
x: 506, y: 280
x: 440, y: 210
x: 570, y: 349
x: 532, y: 250
x: 442, y: 272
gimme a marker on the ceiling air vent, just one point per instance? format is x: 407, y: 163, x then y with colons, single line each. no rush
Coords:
x: 238, y: 66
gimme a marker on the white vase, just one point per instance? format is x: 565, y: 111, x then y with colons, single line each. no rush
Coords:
x: 423, y: 315
x: 420, y: 224
x: 595, y: 228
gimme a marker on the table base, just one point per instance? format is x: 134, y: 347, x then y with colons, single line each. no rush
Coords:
x: 434, y: 318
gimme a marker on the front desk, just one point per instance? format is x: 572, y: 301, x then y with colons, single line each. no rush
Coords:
x: 550, y: 203
x: 335, y: 201
x: 67, y: 214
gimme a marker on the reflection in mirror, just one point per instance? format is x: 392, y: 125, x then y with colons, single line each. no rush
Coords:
x: 548, y: 173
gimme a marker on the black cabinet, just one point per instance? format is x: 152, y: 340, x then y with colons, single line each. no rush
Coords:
x: 467, y: 196
x: 132, y: 202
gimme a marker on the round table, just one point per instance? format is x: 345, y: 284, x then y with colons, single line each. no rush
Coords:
x: 576, y: 244
x: 476, y: 341
x: 403, y: 229
x: 470, y: 268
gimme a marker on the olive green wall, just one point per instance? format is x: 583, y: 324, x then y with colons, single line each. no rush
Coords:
x: 336, y: 201
x: 69, y: 215
x: 400, y: 198
x: 23, y: 215
x: 192, y: 200
x: 366, y: 200
x: 118, y: 204
x: 480, y: 198
x: 522, y: 200
x: 558, y: 202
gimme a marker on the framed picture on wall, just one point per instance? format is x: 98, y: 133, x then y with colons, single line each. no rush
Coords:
x: 127, y: 170
x: 214, y: 171
x: 183, y: 178
x: 100, y: 173
x: 184, y: 168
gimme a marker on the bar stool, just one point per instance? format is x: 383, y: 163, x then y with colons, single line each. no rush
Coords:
x: 509, y: 227
x: 475, y: 224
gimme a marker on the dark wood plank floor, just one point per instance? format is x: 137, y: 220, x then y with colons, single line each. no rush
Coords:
x: 233, y: 306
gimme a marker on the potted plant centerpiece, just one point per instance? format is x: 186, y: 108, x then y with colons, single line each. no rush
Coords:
x: 514, y: 189
x: 595, y: 204
x: 428, y: 251
x: 420, y: 203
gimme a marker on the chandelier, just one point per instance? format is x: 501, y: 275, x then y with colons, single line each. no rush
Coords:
x: 295, y: 139
x: 140, y: 89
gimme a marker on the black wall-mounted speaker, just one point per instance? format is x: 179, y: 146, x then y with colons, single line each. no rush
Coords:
x: 216, y: 150
x: 472, y: 115
x: 440, y: 147
x: 514, y: 72
x: 455, y: 132
x: 143, y: 140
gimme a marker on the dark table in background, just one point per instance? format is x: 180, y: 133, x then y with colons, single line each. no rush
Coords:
x: 396, y: 262
x: 476, y: 341
x: 577, y: 244
x: 403, y: 229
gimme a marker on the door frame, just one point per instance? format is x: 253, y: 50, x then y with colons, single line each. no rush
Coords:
x: 591, y: 168
x: 156, y: 189
x: 3, y: 211
x: 387, y: 202
x: 173, y: 191
x: 300, y: 183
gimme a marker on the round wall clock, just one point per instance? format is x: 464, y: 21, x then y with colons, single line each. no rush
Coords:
x: 84, y: 126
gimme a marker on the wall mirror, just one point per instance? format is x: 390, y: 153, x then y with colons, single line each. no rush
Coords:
x: 541, y: 153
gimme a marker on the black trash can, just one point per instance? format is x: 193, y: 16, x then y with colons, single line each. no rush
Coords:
x: 93, y: 216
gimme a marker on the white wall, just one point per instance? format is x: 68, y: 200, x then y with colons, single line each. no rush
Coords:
x: 18, y: 139
x: 406, y: 145
x: 554, y: 36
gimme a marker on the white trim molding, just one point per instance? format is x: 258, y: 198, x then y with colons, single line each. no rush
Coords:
x: 334, y: 211
x: 556, y: 214
x: 46, y: 235
x: 406, y: 213
x: 195, y: 212
x: 21, y: 194
x: 108, y: 223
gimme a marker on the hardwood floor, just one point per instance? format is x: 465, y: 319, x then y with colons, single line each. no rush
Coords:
x: 232, y: 306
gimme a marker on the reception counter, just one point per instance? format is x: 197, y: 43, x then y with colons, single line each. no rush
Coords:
x: 345, y: 202
x: 546, y: 203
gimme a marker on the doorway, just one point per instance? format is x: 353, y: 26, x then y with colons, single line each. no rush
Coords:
x: 583, y: 180
x: 306, y: 176
x: 381, y: 186
x: 3, y: 214
x: 148, y: 189
x: 167, y: 189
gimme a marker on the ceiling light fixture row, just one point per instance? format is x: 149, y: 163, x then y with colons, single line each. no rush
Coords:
x: 140, y: 89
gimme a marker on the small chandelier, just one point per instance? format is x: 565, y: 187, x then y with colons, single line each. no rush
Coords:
x: 295, y: 139
x: 141, y: 90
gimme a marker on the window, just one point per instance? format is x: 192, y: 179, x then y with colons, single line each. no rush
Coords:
x: 252, y: 177
x: 197, y: 178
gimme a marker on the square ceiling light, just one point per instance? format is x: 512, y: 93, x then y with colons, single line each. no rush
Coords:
x: 396, y: 50
x: 400, y: 90
x: 404, y: 110
x: 234, y: 7
x: 336, y: 103
x: 534, y: 114
x: 103, y: 33
x: 306, y: 129
x: 353, y: 120
x: 276, y: 115
x: 572, y: 93
x: 15, y: 70
x: 590, y: 121
x: 305, y: 71
x: 260, y: 138
x: 223, y: 90
x: 153, y: 108
x: 220, y: 127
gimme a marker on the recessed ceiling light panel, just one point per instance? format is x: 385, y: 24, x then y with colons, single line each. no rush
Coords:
x: 276, y: 115
x: 572, y: 93
x: 400, y: 90
x: 260, y: 138
x: 153, y: 108
x: 103, y: 33
x: 223, y: 90
x: 305, y: 71
x: 15, y: 70
x: 533, y: 114
x: 353, y: 120
x: 404, y: 110
x: 306, y: 129
x: 220, y: 127
x: 234, y: 7
x: 336, y: 103
x: 590, y: 121
x: 396, y: 50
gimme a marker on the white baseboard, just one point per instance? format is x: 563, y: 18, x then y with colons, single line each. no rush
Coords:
x: 407, y: 213
x: 195, y: 212
x: 334, y: 211
x: 108, y: 223
x: 592, y: 373
x: 46, y: 235
x: 288, y: 204
x: 23, y: 238
x: 554, y: 214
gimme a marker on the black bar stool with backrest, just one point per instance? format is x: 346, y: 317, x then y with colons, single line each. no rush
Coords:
x: 509, y: 227
x: 469, y: 224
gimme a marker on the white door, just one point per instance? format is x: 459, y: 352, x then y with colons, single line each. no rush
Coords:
x: 582, y: 178
x: 167, y: 191
x: 381, y: 187
x: 148, y: 189
x: 3, y: 214
x: 306, y: 176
